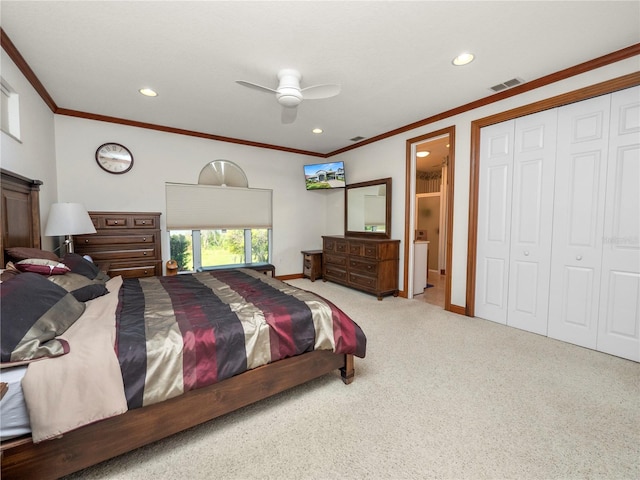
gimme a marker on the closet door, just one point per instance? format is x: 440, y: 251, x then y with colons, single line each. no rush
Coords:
x: 494, y: 221
x: 578, y: 221
x: 619, y: 320
x: 531, y: 225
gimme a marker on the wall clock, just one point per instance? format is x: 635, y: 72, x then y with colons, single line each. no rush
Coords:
x: 114, y: 158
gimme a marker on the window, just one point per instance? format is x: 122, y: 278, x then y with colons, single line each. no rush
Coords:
x: 193, y: 249
x: 215, y: 225
x: 10, y: 107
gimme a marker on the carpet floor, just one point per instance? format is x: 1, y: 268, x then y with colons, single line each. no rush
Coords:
x: 438, y: 395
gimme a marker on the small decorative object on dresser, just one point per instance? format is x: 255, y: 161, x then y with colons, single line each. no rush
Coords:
x: 312, y: 264
x: 129, y: 241
x: 367, y: 264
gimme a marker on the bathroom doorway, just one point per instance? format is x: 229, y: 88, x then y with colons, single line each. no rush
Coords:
x: 430, y: 203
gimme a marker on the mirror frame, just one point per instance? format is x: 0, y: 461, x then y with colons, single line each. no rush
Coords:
x: 387, y: 229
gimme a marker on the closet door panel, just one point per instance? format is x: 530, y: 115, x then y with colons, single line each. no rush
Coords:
x: 494, y: 221
x: 531, y: 226
x: 578, y: 221
x: 619, y: 326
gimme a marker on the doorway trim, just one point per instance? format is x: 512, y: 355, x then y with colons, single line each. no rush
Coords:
x: 410, y: 170
x: 603, y: 88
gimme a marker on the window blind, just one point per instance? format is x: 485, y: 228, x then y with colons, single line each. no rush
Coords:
x: 206, y: 207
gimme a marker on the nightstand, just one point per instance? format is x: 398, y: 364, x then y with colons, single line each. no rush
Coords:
x: 312, y: 264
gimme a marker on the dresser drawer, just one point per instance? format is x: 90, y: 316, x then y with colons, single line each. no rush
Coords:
x: 134, y: 253
x: 136, y: 271
x: 363, y: 281
x: 335, y: 245
x: 114, y: 222
x: 145, y: 222
x: 335, y: 273
x: 370, y: 251
x: 363, y: 266
x: 355, y: 248
x: 115, y: 239
x: 339, y: 260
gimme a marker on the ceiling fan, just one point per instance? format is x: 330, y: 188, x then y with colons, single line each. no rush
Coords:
x: 290, y: 95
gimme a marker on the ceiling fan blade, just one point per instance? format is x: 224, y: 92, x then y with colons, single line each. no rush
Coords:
x: 289, y: 114
x: 317, y: 92
x: 255, y: 86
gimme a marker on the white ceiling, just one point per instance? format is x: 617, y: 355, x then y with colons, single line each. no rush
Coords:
x: 391, y: 58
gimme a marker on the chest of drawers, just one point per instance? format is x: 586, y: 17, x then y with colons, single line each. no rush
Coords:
x: 129, y: 242
x: 370, y: 265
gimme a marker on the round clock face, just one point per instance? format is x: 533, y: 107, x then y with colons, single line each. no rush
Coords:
x: 114, y: 158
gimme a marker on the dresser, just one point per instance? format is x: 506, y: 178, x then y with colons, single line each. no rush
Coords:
x: 127, y: 242
x: 370, y: 265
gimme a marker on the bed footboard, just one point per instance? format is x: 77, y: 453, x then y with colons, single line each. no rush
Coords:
x: 114, y: 436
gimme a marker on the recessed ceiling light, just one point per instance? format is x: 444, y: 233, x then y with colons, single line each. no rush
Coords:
x: 463, y: 59
x: 317, y: 130
x: 147, y: 92
x: 422, y: 154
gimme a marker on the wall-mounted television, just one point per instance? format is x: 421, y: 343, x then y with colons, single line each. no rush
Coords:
x: 320, y: 176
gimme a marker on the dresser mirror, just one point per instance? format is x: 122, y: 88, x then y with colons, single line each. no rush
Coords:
x: 367, y: 209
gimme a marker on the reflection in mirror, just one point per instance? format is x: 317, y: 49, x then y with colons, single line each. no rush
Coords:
x: 368, y: 209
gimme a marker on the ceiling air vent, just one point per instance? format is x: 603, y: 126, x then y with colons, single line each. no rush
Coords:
x: 357, y: 139
x: 508, y: 84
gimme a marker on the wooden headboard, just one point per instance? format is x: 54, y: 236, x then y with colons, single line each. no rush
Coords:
x: 20, y: 212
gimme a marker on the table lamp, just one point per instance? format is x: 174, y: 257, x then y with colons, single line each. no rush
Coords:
x: 68, y: 219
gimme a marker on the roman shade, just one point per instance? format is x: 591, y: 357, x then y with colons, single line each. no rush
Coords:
x: 207, y: 207
x: 374, y: 210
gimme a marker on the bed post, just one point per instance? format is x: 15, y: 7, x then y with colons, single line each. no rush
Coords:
x: 347, y: 372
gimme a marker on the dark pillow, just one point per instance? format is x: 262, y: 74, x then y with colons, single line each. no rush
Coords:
x: 34, y: 312
x: 42, y: 266
x: 80, y: 286
x: 79, y: 264
x: 22, y: 253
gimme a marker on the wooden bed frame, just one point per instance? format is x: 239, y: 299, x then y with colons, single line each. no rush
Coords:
x: 94, y: 443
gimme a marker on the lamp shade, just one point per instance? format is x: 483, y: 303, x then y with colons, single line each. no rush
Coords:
x: 68, y: 219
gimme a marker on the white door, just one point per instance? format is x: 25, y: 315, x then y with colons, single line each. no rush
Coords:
x: 494, y: 221
x: 531, y: 221
x: 619, y: 319
x: 581, y: 168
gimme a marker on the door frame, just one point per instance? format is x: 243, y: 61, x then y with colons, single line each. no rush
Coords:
x: 609, y: 86
x: 409, y: 207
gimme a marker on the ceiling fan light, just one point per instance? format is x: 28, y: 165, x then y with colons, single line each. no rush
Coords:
x: 423, y: 154
x: 463, y: 59
x: 317, y: 130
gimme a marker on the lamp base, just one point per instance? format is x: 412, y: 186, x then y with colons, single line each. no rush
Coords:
x: 68, y: 242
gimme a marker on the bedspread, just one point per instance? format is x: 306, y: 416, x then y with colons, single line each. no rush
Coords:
x: 183, y: 332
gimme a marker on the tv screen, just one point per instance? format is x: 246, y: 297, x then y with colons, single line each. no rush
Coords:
x: 324, y: 175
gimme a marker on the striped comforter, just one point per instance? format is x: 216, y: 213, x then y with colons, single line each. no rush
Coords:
x: 179, y: 333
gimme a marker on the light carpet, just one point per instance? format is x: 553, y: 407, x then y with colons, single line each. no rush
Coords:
x: 439, y: 395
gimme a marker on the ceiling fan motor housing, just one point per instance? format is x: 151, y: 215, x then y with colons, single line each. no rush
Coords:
x: 289, y: 97
x: 288, y: 93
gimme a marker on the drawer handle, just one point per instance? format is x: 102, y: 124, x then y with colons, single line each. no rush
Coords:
x: 144, y: 222
x: 86, y: 240
x: 578, y: 257
x: 116, y: 222
x: 144, y: 239
x: 144, y: 253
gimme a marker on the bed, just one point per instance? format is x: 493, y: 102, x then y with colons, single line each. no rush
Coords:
x: 296, y: 351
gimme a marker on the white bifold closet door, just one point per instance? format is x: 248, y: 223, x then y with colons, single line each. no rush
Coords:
x: 578, y: 220
x: 619, y: 320
x: 517, y: 165
x: 558, y: 249
x: 494, y: 221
